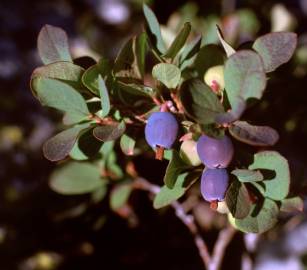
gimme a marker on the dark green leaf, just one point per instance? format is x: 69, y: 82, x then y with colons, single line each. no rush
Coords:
x: 208, y: 56
x: 244, y: 76
x: 168, y: 74
x: 291, y: 205
x: 104, y: 96
x: 52, y: 45
x: 260, y: 219
x: 253, y: 135
x: 61, y: 96
x: 189, y: 53
x: 275, y: 48
x: 200, y: 102
x: 179, y: 41
x: 90, y: 76
x: 237, y: 200
x: 234, y: 114
x: 154, y: 28
x: 278, y: 187
x: 136, y: 89
x: 59, y: 146
x: 76, y: 178
x: 175, y: 167
x: 109, y: 132
x: 247, y: 175
x: 228, y: 49
x: 120, y: 195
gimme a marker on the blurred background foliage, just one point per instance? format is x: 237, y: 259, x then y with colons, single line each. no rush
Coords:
x: 42, y: 230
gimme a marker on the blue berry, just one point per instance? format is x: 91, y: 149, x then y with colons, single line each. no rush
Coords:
x: 215, y: 153
x: 161, y: 130
x: 214, y: 184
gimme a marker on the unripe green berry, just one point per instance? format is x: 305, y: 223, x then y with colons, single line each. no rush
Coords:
x: 188, y: 153
x: 214, y: 77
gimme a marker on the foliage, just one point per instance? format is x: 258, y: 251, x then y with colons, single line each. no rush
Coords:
x: 107, y: 105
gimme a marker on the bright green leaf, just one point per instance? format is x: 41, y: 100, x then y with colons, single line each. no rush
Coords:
x: 168, y: 74
x: 127, y: 144
x: 244, y: 76
x: 278, y: 187
x: 120, y: 195
x: 76, y: 178
x: 247, y: 175
x: 52, y: 44
x: 291, y: 205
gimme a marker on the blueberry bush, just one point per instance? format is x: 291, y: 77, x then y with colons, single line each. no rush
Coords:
x: 182, y: 101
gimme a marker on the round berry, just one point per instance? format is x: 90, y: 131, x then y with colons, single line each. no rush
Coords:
x: 161, y: 130
x: 214, y: 184
x: 215, y: 153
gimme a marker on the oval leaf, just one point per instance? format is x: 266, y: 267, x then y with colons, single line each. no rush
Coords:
x: 104, y: 97
x: 168, y: 74
x: 244, y: 76
x: 59, y: 146
x: 127, y: 145
x: 254, y: 135
x: 200, y: 102
x: 61, y: 96
x: 52, y: 44
x: 109, y: 132
x: 234, y: 114
x: 260, y: 219
x: 275, y: 48
x: 120, y: 195
x: 278, y: 187
x: 76, y: 178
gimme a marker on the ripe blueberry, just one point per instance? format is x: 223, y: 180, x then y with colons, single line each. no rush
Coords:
x: 214, y: 183
x: 161, y: 131
x: 215, y: 153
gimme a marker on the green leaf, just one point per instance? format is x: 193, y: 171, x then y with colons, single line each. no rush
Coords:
x: 179, y: 41
x: 200, y: 102
x: 59, y: 146
x: 208, y: 56
x: 294, y: 204
x: 120, y: 195
x: 278, y: 187
x: 136, y: 89
x: 228, y: 49
x: 109, y: 132
x: 86, y: 147
x: 130, y: 62
x: 253, y: 135
x: 76, y: 178
x: 260, y: 219
x: 189, y: 53
x: 104, y: 96
x: 61, y: 96
x: 168, y: 195
x: 52, y: 44
x: 246, y: 176
x: 63, y: 71
x: 154, y: 27
x: 90, y: 76
x: 275, y: 49
x: 238, y: 108
x: 244, y: 76
x: 168, y: 74
x: 127, y: 144
x: 175, y: 167
x: 237, y: 200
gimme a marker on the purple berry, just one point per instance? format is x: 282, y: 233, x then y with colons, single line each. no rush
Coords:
x: 214, y: 183
x: 215, y: 153
x: 161, y: 130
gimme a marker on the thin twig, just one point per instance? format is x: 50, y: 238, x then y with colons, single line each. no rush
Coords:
x: 210, y: 262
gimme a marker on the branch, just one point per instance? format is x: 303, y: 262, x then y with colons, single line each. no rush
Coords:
x: 225, y: 236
